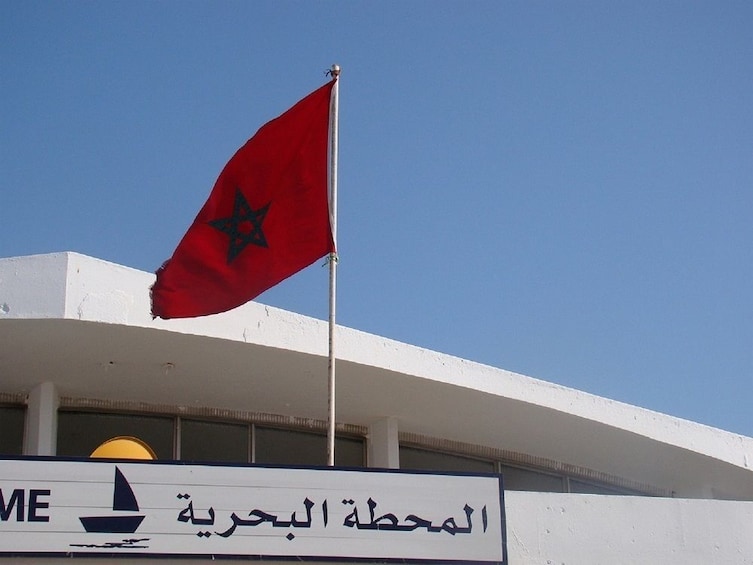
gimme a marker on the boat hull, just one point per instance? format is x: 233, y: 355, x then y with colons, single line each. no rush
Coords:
x: 111, y: 524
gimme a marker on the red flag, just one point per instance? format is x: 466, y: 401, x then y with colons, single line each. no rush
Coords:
x: 266, y: 218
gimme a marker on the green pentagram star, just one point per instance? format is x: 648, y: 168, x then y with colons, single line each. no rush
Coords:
x: 243, y: 227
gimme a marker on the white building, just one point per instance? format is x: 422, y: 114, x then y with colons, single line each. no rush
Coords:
x: 587, y: 479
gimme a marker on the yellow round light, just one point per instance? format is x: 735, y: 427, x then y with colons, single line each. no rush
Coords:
x: 124, y: 447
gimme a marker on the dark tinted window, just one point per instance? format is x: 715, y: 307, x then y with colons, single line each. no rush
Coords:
x: 584, y: 487
x: 421, y: 459
x: 288, y: 447
x: 515, y: 478
x: 12, y: 430
x: 80, y: 433
x: 214, y: 441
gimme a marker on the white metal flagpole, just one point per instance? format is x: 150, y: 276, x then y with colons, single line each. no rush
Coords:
x: 333, y: 136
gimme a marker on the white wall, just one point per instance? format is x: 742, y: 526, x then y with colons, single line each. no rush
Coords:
x: 578, y: 529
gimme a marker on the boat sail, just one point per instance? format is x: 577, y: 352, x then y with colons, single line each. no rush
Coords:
x: 123, y: 500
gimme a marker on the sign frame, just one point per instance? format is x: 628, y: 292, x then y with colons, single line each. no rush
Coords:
x: 67, y: 507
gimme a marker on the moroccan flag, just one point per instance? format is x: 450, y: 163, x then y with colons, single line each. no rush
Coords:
x: 266, y: 218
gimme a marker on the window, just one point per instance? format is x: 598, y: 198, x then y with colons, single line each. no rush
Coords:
x: 425, y: 460
x: 517, y: 478
x: 583, y: 487
x: 288, y: 447
x: 80, y: 433
x: 214, y: 441
x: 12, y: 430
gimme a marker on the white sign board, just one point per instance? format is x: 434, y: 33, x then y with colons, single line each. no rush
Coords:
x: 63, y: 507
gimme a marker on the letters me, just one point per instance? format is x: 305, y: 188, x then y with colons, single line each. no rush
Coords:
x: 17, y: 499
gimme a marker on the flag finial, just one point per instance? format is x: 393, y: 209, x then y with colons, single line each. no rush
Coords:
x: 334, y: 71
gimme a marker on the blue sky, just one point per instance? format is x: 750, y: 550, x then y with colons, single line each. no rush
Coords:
x: 561, y: 189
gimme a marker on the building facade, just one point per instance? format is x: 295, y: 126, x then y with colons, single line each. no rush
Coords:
x: 586, y: 479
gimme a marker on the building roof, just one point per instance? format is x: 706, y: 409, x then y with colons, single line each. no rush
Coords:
x: 85, y: 325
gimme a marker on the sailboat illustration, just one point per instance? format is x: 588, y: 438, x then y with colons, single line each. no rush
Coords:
x: 123, y: 500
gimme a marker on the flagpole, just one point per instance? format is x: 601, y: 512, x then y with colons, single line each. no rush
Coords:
x: 333, y: 135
